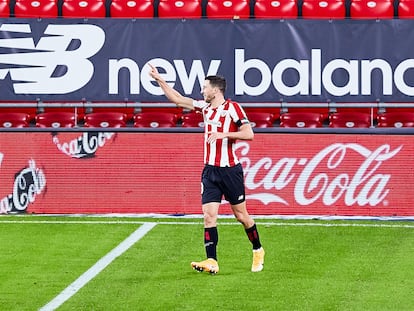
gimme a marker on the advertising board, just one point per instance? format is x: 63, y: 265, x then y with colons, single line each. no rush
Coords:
x: 127, y: 172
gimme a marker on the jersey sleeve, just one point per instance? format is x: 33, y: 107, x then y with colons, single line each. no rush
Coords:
x: 239, y: 115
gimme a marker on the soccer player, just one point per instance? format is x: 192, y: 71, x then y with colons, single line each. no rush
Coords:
x: 225, y: 122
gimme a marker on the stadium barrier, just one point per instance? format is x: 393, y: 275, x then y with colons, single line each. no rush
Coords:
x: 71, y: 64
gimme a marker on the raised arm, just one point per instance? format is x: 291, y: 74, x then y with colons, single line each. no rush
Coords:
x: 172, y: 95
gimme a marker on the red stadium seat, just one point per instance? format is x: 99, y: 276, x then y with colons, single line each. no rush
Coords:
x: 4, y: 8
x: 372, y: 9
x: 14, y: 107
x: 372, y: 111
x: 129, y: 112
x: 179, y: 9
x: 406, y: 9
x: 324, y: 112
x: 261, y: 119
x: 301, y: 119
x: 155, y: 119
x: 398, y: 109
x: 192, y: 119
x: 177, y: 111
x: 14, y: 119
x: 233, y: 9
x: 132, y: 8
x: 260, y: 112
x: 396, y: 119
x: 36, y: 8
x: 77, y: 111
x: 56, y: 119
x: 323, y: 9
x: 105, y: 119
x: 276, y: 9
x: 83, y: 8
x: 350, y: 119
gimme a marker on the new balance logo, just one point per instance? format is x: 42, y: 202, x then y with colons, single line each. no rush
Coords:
x: 57, y: 64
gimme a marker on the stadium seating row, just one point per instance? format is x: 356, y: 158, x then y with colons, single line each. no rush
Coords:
x: 170, y: 119
x: 234, y: 9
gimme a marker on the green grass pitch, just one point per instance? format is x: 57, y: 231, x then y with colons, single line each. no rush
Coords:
x: 309, y: 265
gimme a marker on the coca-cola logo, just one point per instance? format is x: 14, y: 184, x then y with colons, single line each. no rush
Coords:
x: 341, y: 171
x: 28, y: 183
x: 83, y: 146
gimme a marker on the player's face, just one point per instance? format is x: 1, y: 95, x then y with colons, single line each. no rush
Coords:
x: 209, y: 92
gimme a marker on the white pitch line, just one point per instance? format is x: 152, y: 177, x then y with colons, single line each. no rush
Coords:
x: 261, y: 223
x: 101, y: 264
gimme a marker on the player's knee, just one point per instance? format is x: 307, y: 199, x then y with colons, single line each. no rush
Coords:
x: 241, y: 218
x: 244, y: 219
x: 210, y: 220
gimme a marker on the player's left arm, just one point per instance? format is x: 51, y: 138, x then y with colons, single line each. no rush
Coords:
x: 245, y: 132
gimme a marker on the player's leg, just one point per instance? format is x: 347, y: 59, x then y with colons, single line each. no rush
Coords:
x: 210, y: 212
x: 211, y: 198
x: 234, y: 191
x: 242, y: 215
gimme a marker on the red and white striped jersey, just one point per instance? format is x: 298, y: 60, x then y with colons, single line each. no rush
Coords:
x: 227, y: 117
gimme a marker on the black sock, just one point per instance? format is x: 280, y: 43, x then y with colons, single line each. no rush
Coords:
x: 253, y: 236
x: 210, y: 242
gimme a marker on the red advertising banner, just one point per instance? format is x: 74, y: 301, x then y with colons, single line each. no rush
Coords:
x: 135, y: 172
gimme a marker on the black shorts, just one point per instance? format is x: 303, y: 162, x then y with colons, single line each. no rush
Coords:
x: 217, y: 182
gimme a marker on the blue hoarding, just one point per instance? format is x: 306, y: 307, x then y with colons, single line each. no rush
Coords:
x: 263, y: 60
